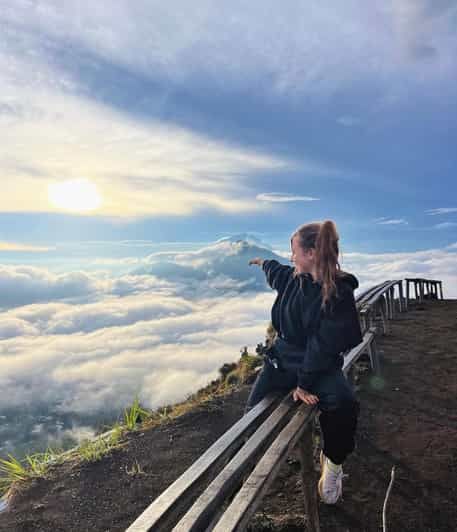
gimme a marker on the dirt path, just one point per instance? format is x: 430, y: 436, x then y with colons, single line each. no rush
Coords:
x: 411, y: 422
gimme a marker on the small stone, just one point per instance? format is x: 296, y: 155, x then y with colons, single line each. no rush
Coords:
x: 38, y: 506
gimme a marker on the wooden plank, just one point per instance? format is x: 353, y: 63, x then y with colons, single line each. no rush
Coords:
x: 371, y: 294
x: 403, y: 305
x: 309, y: 479
x: 358, y: 350
x: 365, y: 295
x: 247, y: 500
x: 379, y: 292
x: 374, y: 359
x: 166, y: 509
x: 227, y: 481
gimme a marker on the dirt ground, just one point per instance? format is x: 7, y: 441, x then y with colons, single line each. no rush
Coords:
x: 408, y: 419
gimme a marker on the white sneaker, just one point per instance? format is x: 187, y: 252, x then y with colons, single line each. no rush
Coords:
x: 330, y: 485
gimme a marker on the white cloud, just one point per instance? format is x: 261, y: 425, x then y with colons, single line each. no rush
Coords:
x: 283, y: 197
x: 445, y: 225
x: 80, y: 369
x: 420, y: 26
x: 135, y: 166
x: 159, y: 340
x: 431, y: 264
x: 21, y: 285
x: 16, y: 246
x: 441, y: 210
x: 390, y: 221
x: 289, y: 45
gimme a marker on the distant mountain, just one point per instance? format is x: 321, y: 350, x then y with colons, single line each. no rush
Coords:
x: 224, y: 260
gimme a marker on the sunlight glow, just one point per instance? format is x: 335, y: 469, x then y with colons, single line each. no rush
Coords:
x: 75, y: 195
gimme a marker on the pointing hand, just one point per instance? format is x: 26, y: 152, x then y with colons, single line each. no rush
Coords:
x: 257, y: 261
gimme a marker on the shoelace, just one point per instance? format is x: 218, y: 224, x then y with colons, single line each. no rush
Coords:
x: 334, y: 478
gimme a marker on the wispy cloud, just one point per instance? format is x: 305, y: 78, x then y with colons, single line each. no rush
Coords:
x: 178, y: 42
x: 348, y: 120
x: 135, y: 166
x: 390, y: 221
x: 281, y: 197
x: 445, y: 225
x: 16, y: 246
x: 441, y: 210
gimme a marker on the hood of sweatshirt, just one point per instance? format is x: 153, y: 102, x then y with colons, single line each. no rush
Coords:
x: 348, y: 278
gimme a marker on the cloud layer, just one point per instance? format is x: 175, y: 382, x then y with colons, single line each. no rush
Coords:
x: 92, y: 342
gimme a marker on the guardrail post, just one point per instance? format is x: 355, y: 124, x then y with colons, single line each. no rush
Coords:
x: 374, y: 357
x: 401, y: 300
x: 388, y: 296
x: 309, y: 479
x: 384, y: 310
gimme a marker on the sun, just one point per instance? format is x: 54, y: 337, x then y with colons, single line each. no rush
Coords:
x: 79, y: 195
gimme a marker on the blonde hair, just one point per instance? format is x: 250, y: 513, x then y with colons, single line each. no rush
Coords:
x: 323, y: 237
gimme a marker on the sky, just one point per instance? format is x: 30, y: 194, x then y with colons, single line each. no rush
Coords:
x: 150, y: 149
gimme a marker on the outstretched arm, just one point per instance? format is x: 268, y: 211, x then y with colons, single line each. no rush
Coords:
x: 276, y: 273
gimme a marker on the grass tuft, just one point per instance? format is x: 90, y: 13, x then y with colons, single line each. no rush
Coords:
x: 135, y: 414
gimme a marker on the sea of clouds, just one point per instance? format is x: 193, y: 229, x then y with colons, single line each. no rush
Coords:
x: 76, y: 347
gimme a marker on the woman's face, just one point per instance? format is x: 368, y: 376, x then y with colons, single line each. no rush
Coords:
x: 303, y: 260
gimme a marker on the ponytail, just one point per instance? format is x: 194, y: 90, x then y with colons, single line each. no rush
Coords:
x: 327, y: 263
x: 323, y: 237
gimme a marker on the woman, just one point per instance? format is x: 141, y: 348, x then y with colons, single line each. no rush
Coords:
x: 316, y: 321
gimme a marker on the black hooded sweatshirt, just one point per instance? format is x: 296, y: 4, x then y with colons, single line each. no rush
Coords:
x: 319, y: 336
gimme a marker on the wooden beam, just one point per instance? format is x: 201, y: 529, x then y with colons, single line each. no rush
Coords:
x: 309, y: 479
x: 247, y: 500
x: 199, y: 515
x: 166, y: 509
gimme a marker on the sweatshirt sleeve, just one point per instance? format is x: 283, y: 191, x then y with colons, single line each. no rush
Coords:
x: 276, y: 273
x: 337, y: 332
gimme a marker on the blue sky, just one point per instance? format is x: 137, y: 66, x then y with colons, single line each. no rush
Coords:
x: 142, y: 141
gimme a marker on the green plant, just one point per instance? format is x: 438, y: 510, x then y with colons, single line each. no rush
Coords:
x: 12, y: 470
x: 39, y: 462
x: 134, y: 414
x: 93, y: 450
